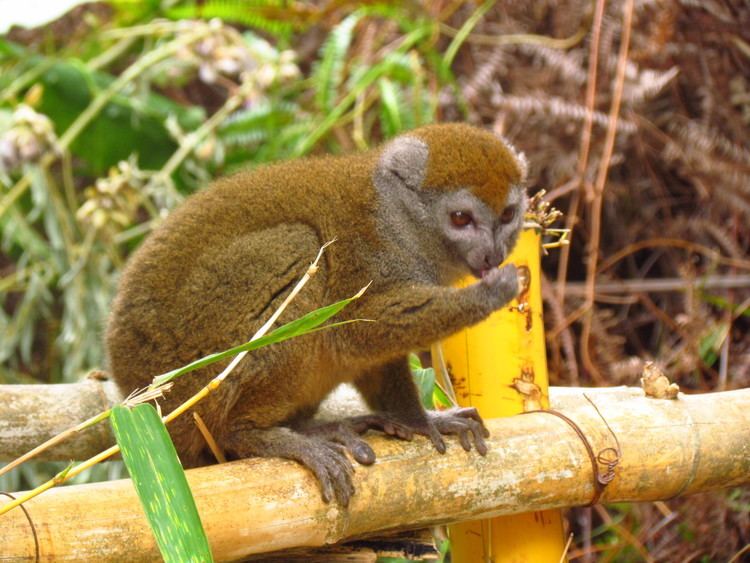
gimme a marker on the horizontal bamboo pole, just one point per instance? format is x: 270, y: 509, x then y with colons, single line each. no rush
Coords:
x: 535, y: 461
x: 32, y: 414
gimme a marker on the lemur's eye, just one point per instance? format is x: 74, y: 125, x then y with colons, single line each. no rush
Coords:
x: 461, y: 219
x: 508, y: 214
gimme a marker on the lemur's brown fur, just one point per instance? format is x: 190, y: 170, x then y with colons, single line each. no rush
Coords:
x: 221, y: 263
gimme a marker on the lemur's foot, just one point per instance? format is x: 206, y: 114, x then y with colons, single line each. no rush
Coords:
x: 463, y: 422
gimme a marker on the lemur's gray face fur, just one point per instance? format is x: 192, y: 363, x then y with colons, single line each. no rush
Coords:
x: 478, y: 238
x: 461, y: 232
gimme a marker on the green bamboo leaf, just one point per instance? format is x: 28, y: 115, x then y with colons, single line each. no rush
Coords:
x: 304, y: 325
x: 430, y: 394
x: 463, y: 33
x: 160, y: 482
x: 425, y: 380
x: 414, y: 362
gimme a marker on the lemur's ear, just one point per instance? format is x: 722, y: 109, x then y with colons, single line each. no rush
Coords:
x: 520, y: 158
x: 402, y: 162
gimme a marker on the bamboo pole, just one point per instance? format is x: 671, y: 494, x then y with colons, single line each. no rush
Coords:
x: 32, y: 414
x: 535, y: 462
x: 499, y: 366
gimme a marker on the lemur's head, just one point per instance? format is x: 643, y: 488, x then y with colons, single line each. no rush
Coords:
x: 464, y: 185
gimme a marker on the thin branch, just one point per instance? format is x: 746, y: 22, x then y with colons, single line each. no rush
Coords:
x: 572, y: 214
x: 518, y: 38
x: 660, y: 285
x: 596, y: 205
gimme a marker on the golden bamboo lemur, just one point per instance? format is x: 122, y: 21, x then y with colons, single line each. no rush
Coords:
x: 411, y: 216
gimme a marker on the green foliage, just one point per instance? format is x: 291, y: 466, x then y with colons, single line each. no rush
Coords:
x: 136, y: 121
x: 133, y: 13
x: 262, y: 132
x: 67, y: 233
x: 739, y: 310
x: 364, y: 77
x: 425, y: 379
x: 160, y: 482
x: 431, y: 395
x: 712, y: 341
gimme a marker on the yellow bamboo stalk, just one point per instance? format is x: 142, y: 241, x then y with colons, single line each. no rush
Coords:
x: 500, y: 367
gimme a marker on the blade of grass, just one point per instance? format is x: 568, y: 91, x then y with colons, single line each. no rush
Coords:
x: 463, y: 33
x: 329, y: 71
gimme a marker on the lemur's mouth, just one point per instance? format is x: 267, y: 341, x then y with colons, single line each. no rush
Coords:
x: 484, y: 271
x: 480, y: 273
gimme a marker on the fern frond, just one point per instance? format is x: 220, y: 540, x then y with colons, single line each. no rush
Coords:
x: 252, y: 13
x: 256, y: 124
x: 261, y: 115
x: 558, y: 107
x: 328, y: 72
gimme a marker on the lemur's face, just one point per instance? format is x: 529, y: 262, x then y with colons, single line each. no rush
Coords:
x: 478, y: 238
x: 462, y: 188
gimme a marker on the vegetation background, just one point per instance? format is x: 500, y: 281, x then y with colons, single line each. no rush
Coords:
x: 635, y: 117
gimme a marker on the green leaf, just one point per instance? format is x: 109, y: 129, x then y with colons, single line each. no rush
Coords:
x: 463, y: 33
x: 443, y: 549
x: 440, y: 399
x: 726, y: 305
x: 354, y: 89
x: 10, y: 49
x: 414, y: 362
x: 260, y: 129
x: 425, y: 380
x: 304, y: 325
x: 160, y: 482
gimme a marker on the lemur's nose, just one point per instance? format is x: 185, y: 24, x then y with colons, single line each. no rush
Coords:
x: 494, y: 259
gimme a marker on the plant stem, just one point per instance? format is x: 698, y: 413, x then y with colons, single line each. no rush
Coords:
x: 191, y: 140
